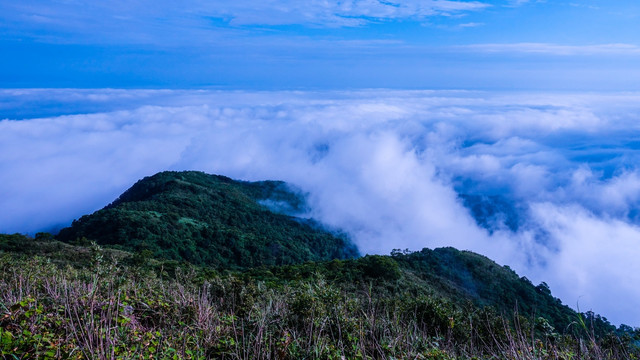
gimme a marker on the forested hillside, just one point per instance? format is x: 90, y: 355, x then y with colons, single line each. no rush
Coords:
x: 210, y: 220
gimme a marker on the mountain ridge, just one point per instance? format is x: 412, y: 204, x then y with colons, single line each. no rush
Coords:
x: 212, y: 220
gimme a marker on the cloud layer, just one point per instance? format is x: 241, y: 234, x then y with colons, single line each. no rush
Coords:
x: 390, y: 167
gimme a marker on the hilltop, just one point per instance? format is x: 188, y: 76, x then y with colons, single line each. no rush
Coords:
x: 211, y: 220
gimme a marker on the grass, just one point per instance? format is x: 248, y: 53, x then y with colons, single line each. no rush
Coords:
x: 112, y: 310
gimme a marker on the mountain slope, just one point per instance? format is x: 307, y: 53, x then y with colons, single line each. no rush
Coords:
x: 466, y: 275
x: 210, y: 220
x: 113, y: 305
x: 462, y: 278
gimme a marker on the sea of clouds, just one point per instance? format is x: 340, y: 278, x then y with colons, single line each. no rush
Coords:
x: 558, y: 173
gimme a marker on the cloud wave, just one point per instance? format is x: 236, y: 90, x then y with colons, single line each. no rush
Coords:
x: 557, y: 174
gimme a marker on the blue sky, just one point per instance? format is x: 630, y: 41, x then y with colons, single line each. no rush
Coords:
x: 510, y: 44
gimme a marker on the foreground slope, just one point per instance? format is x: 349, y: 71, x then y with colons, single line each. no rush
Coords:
x: 76, y: 302
x: 462, y: 279
x: 210, y: 220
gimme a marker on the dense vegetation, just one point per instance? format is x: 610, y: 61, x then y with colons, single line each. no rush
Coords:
x: 210, y: 220
x: 258, y: 284
x: 88, y: 302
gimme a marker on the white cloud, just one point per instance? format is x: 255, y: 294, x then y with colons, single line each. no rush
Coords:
x: 556, y: 49
x: 515, y: 3
x: 386, y: 166
x: 596, y: 261
x: 471, y: 25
